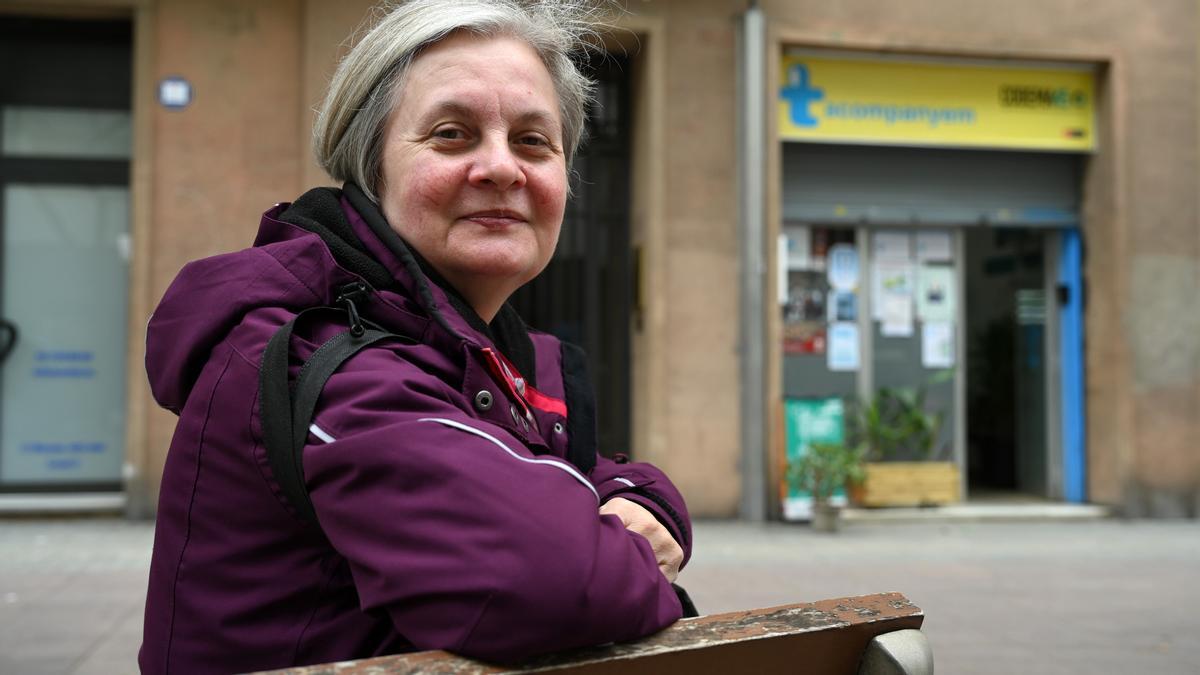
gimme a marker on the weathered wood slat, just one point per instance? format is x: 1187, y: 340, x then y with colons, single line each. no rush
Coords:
x: 822, y: 638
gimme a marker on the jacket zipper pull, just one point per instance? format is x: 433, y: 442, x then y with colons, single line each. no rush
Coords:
x: 347, y: 295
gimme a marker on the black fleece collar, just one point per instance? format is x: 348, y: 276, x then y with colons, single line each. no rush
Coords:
x: 320, y: 211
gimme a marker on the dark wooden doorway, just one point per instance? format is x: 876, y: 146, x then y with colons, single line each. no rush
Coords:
x: 585, y: 295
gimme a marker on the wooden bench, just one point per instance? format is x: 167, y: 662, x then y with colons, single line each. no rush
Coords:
x: 866, y: 635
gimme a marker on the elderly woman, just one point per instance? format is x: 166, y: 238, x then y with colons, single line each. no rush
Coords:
x: 458, y: 501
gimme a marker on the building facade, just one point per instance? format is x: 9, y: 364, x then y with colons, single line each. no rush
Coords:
x: 1046, y: 295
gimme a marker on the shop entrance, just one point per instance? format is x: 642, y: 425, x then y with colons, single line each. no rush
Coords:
x: 1008, y: 326
x: 65, y: 140
x: 967, y: 284
x: 585, y: 295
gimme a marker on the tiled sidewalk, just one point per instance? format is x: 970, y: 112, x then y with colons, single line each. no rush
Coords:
x: 1101, y: 596
x: 71, y: 595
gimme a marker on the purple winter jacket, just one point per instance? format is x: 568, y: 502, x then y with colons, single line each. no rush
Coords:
x: 446, y: 526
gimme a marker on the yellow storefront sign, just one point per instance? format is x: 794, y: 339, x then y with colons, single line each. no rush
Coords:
x: 892, y: 102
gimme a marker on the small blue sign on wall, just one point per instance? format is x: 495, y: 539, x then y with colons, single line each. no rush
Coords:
x: 174, y: 93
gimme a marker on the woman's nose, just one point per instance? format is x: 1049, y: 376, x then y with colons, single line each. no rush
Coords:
x: 496, y: 166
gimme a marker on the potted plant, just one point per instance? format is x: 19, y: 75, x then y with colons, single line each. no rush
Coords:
x: 820, y: 471
x: 895, y: 426
x: 899, y: 435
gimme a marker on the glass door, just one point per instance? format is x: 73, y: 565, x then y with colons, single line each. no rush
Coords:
x: 915, y: 328
x: 65, y: 284
x: 65, y: 146
x: 1012, y: 374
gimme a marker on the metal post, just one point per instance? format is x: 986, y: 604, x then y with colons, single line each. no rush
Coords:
x: 960, y: 356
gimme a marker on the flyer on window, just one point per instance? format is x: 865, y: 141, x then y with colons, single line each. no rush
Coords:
x: 894, y: 297
x: 842, y: 352
x: 892, y: 246
x: 937, y: 344
x: 935, y: 293
x: 933, y: 246
x: 843, y: 267
x: 897, y: 318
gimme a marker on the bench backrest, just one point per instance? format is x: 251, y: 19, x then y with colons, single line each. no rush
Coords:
x: 825, y: 637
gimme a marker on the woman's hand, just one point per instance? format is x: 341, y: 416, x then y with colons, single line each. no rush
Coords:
x: 637, y: 519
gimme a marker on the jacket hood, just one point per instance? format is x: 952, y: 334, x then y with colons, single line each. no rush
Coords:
x: 211, y: 296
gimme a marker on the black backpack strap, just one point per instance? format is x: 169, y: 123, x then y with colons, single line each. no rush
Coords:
x: 286, y: 414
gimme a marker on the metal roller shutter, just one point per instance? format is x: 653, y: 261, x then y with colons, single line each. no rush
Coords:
x: 903, y: 186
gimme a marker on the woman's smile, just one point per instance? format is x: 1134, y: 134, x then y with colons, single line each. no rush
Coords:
x: 496, y: 219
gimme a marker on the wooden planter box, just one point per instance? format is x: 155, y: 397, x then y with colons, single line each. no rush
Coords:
x: 908, y: 484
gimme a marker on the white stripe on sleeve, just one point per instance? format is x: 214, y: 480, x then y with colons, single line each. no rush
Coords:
x: 320, y: 433
x: 500, y: 444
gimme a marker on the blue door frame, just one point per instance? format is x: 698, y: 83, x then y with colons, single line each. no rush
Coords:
x: 1074, y: 432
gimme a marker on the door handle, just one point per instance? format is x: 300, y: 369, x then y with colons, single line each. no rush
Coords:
x: 8, y: 338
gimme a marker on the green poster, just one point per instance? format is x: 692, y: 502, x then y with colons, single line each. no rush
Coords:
x: 808, y: 421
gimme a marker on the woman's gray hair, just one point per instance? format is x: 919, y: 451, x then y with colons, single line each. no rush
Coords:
x: 350, y: 124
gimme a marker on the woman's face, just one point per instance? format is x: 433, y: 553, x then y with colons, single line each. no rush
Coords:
x: 474, y: 175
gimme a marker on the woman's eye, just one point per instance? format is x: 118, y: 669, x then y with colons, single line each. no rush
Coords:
x: 533, y: 141
x: 449, y: 134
